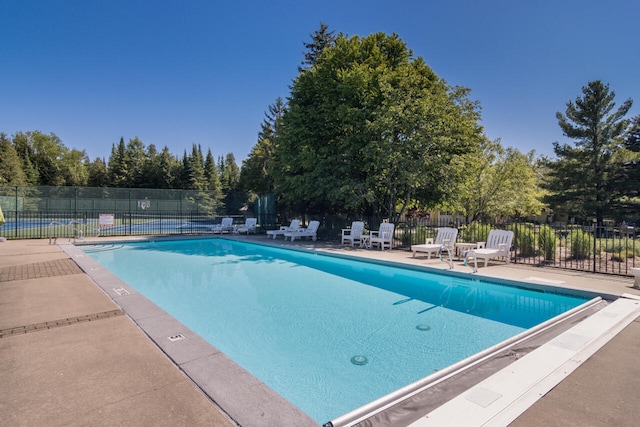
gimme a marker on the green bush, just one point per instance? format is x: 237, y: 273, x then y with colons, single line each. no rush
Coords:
x: 524, y: 239
x: 581, y: 244
x: 475, y: 232
x: 622, y: 249
x: 547, y: 242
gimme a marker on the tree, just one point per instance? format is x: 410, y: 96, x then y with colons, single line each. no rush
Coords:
x: 581, y: 180
x: 23, y: 146
x: 369, y: 129
x: 497, y: 182
x: 11, y: 172
x: 212, y: 177
x: 626, y: 205
x: 73, y: 167
x: 256, y: 173
x: 135, y: 160
x: 320, y: 40
x: 118, y: 172
x: 168, y: 172
x: 98, y: 173
x: 229, y: 178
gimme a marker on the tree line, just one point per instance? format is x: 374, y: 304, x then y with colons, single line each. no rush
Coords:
x: 368, y: 129
x: 36, y: 159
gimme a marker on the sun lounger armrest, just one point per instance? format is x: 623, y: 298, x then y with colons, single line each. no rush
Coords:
x: 428, y: 241
x: 480, y: 245
x: 502, y: 247
x: 375, y: 233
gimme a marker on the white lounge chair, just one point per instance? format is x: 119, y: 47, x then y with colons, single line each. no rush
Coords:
x: 295, y: 224
x: 353, y: 234
x: 310, y: 231
x: 225, y: 226
x: 383, y: 237
x: 249, y: 225
x: 498, y: 246
x: 445, y: 239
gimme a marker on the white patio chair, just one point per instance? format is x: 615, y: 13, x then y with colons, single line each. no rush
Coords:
x: 310, y: 231
x: 498, y: 246
x: 225, y: 226
x: 353, y: 234
x: 295, y: 224
x: 383, y: 237
x: 445, y: 239
x: 249, y: 226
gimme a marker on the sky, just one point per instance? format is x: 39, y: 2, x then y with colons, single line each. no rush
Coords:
x: 181, y: 72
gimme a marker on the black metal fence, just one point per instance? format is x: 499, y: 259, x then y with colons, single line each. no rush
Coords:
x: 598, y: 248
x: 72, y: 212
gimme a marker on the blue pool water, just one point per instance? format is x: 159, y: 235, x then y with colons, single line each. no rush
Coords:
x: 329, y: 334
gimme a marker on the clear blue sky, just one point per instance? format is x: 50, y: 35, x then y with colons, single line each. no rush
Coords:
x: 180, y: 72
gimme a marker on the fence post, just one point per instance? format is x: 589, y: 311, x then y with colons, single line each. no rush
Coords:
x: 595, y: 232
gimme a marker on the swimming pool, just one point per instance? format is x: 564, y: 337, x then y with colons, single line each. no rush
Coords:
x: 328, y: 334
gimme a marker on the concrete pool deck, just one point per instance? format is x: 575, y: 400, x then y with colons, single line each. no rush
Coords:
x: 69, y: 355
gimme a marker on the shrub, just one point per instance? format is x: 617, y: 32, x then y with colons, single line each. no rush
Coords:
x: 475, y: 232
x: 547, y: 242
x: 524, y: 239
x: 623, y: 249
x: 581, y: 244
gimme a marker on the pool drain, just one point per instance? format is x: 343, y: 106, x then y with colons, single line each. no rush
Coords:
x: 423, y: 327
x: 359, y: 360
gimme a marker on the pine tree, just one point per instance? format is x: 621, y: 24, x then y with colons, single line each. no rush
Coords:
x: 256, y: 173
x: 320, y: 39
x: 118, y: 172
x: 582, y: 180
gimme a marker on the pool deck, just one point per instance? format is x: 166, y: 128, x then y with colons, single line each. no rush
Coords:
x: 70, y: 354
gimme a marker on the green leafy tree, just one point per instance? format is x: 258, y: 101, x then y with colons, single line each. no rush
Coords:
x: 497, y: 182
x: 42, y: 157
x: 98, y: 173
x: 582, y: 179
x: 73, y: 167
x: 24, y: 148
x: 11, y: 172
x: 370, y: 129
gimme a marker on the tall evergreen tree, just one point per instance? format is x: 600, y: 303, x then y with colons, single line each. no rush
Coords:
x: 169, y: 170
x: 118, y: 164
x: 230, y: 178
x: 135, y: 163
x: 194, y: 170
x: 627, y: 204
x: 212, y: 177
x: 320, y: 40
x: 256, y: 173
x: 582, y: 179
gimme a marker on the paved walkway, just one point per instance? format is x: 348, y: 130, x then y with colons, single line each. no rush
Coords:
x: 69, y: 355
